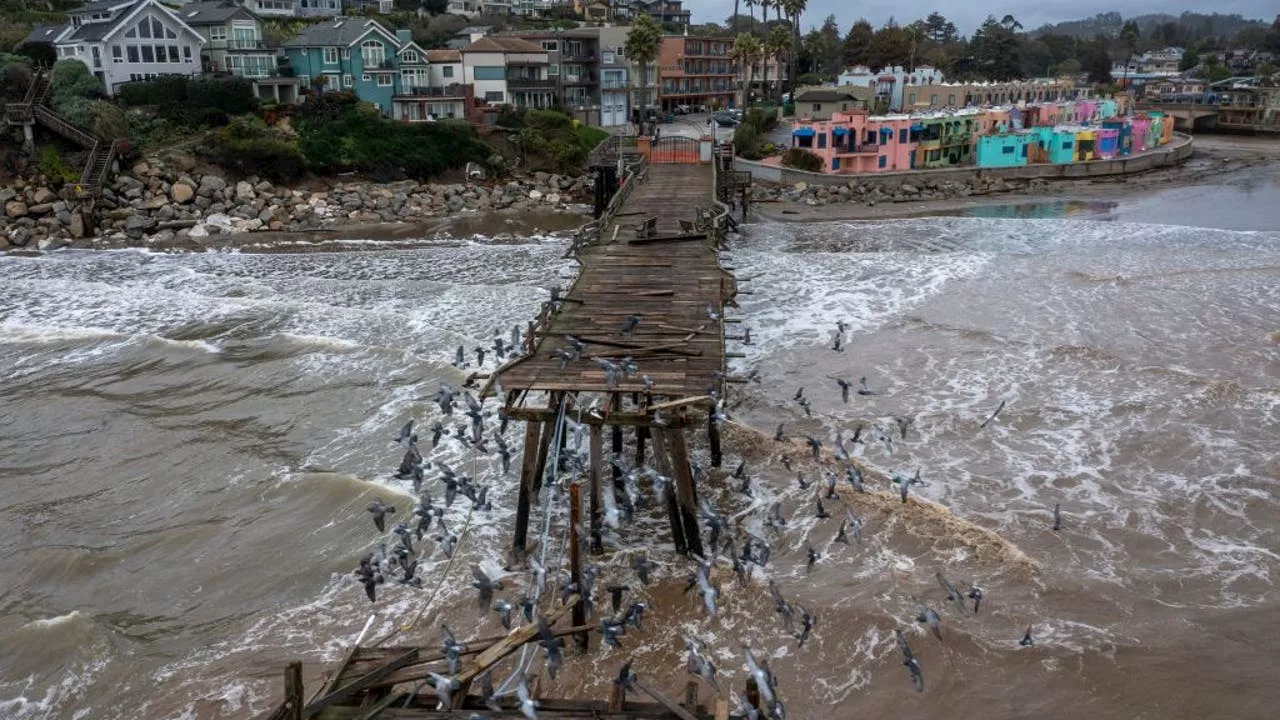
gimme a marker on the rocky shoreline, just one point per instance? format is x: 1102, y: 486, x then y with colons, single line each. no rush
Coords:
x: 871, y: 193
x: 159, y: 205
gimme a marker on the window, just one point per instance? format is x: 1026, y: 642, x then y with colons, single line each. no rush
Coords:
x: 117, y: 54
x: 365, y: 77
x: 372, y: 52
x: 822, y: 140
x: 951, y: 100
x: 550, y: 45
x: 835, y: 163
x: 933, y: 99
x: 817, y: 107
x: 410, y: 56
x: 186, y: 53
x: 447, y: 71
x: 148, y: 54
x: 331, y: 56
x: 902, y: 135
x: 217, y: 34
x: 133, y: 53
x: 883, y: 161
x: 384, y: 80
x: 304, y: 80
x: 491, y: 72
x: 493, y: 96
x: 1008, y: 149
x: 1066, y: 145
x: 345, y: 53
x: 348, y: 81
x: 144, y: 28
x: 606, y: 57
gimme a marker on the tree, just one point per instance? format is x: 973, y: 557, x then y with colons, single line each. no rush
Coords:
x: 1009, y: 23
x: 778, y: 45
x: 746, y: 50
x: 1129, y: 35
x: 435, y: 7
x: 1070, y: 67
x: 819, y: 51
x: 1097, y: 61
x: 939, y: 30
x: 890, y: 46
x: 794, y: 9
x: 643, y: 40
x: 997, y: 51
x: 857, y: 44
x: 1190, y: 59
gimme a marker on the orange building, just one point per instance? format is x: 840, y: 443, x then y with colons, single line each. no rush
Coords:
x: 696, y: 71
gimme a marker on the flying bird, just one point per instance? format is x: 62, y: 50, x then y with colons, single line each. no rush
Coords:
x: 380, y: 511
x: 989, y: 420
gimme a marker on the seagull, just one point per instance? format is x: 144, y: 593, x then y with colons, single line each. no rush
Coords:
x: 854, y: 476
x: 452, y: 648
x: 841, y: 536
x: 528, y: 706
x: 993, y: 416
x: 503, y: 608
x: 777, y: 434
x: 444, y: 689
x: 807, y: 621
x: 406, y: 435
x: 641, y: 565
x: 1026, y: 640
x: 844, y: 388
x: 460, y: 358
x: 380, y: 510
x: 903, y: 424
x: 909, y: 659
x: 975, y: 594
x: 822, y: 513
x: 436, y: 431
x: 862, y: 387
x: 928, y: 616
x: 711, y: 312
x: 815, y: 444
x: 953, y: 595
x: 629, y: 325
x: 369, y: 577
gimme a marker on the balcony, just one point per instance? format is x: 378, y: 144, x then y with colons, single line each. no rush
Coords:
x: 526, y: 83
x: 579, y: 79
x: 585, y: 56
x: 234, y: 44
x: 381, y: 66
x: 614, y: 85
x: 454, y: 91
x: 867, y: 149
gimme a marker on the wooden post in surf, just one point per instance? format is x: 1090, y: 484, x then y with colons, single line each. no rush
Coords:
x: 593, y: 497
x: 293, y: 699
x: 532, y: 443
x: 663, y: 461
x: 618, y: 487
x: 575, y: 561
x: 685, y: 494
x: 642, y: 434
x: 713, y: 439
x: 544, y: 447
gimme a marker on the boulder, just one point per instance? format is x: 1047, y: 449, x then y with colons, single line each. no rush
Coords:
x: 41, y: 209
x: 76, y: 226
x: 535, y: 194
x: 554, y: 198
x: 181, y: 193
x: 244, y: 192
x: 221, y: 221
x: 209, y: 184
x: 15, y: 208
x: 48, y: 244
x: 910, y: 189
x: 44, y: 195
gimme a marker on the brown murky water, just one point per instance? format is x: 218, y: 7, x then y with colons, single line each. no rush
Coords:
x: 189, y: 440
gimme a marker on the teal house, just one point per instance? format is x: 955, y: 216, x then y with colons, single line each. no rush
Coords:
x: 1002, y: 150
x: 357, y: 55
x: 1107, y: 109
x: 1062, y: 145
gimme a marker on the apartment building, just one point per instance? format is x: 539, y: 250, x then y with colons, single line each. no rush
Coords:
x: 696, y: 71
x: 233, y: 43
x: 507, y: 70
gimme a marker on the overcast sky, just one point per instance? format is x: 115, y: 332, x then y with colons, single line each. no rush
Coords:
x: 968, y: 14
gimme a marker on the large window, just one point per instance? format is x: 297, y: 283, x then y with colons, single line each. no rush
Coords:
x: 217, y: 34
x: 490, y: 72
x: 410, y: 56
x: 149, y: 28
x: 447, y: 71
x: 331, y: 56
x: 372, y: 52
x: 384, y: 80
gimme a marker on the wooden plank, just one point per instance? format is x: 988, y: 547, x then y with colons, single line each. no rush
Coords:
x: 594, y: 473
x: 532, y: 440
x: 350, y: 689
x: 511, y: 643
x: 575, y: 558
x: 671, y: 705
x: 663, y: 461
x: 685, y: 493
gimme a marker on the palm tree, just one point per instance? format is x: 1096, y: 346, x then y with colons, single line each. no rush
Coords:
x: 1008, y: 22
x: 643, y: 40
x: 746, y: 48
x: 751, y: 5
x: 778, y: 45
x: 794, y: 9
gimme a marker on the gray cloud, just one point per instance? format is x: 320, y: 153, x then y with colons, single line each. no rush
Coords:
x: 968, y: 14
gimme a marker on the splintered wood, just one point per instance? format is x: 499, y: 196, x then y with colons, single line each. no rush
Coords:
x: 669, y: 286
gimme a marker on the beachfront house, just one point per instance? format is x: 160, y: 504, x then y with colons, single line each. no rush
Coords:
x: 822, y: 103
x: 125, y: 41
x: 1008, y: 149
x: 353, y: 54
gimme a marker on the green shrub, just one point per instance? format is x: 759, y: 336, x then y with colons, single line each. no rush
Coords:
x: 589, y: 137
x: 341, y: 133
x: 802, y: 159
x: 71, y: 89
x: 248, y: 147
x: 194, y: 102
x: 52, y: 166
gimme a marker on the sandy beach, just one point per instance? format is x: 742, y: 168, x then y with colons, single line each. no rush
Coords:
x: 1215, y: 156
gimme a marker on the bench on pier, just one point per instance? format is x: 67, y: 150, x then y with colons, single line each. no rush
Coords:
x: 646, y: 229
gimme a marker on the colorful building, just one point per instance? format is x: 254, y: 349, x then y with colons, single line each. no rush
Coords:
x: 1008, y: 149
x: 697, y: 72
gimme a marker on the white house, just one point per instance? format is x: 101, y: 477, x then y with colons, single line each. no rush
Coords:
x: 444, y: 67
x: 890, y: 83
x: 126, y: 40
x: 509, y: 71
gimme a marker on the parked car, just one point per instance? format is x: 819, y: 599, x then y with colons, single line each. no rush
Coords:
x: 683, y: 109
x: 725, y: 119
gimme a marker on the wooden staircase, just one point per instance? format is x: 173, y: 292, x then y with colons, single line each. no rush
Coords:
x: 32, y: 109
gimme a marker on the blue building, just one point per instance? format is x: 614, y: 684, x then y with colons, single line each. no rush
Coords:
x: 387, y: 69
x: 1002, y: 150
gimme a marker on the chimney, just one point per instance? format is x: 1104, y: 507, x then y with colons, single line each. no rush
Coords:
x: 404, y: 35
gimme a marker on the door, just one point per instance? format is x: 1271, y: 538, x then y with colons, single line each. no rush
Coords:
x: 912, y: 160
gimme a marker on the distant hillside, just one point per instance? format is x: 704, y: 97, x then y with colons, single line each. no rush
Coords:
x: 1195, y: 26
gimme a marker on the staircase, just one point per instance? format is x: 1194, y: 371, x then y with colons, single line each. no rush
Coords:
x: 32, y: 109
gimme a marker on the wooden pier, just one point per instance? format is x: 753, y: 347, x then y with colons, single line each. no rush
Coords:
x: 650, y: 291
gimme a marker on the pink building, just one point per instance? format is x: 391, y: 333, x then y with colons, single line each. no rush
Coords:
x: 1140, y: 126
x: 1085, y: 110
x: 858, y: 143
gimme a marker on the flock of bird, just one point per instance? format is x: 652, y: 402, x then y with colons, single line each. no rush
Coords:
x: 739, y: 548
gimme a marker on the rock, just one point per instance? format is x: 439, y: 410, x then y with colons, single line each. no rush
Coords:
x: 141, y: 169
x: 126, y: 183
x: 76, y: 226
x: 15, y: 208
x: 210, y: 184
x: 910, y: 189
x: 7, y: 194
x: 244, y: 192
x: 181, y: 193
x: 19, y: 237
x: 535, y: 194
x: 221, y: 221
x: 136, y: 225
x: 800, y: 186
x: 155, y: 203
x: 62, y: 216
x: 44, y: 195
x: 554, y: 198
x: 50, y: 243
x: 41, y: 209
x: 264, y: 187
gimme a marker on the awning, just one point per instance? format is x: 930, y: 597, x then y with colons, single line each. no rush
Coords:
x: 803, y: 132
x: 839, y: 131
x: 917, y: 127
x: 886, y: 131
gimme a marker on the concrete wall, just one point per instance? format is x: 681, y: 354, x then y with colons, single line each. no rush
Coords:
x: 1177, y: 151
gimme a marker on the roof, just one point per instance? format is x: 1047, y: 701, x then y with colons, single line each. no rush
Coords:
x: 474, y: 29
x: 203, y: 13
x: 44, y: 34
x: 503, y: 44
x: 94, y: 31
x: 821, y: 95
x: 103, y: 5
x: 340, y: 31
x: 444, y: 56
